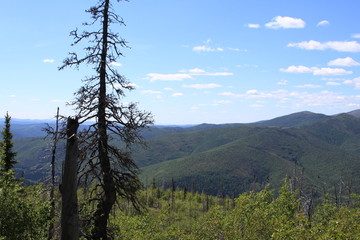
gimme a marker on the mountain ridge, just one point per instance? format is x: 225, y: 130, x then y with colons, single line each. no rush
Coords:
x: 233, y: 157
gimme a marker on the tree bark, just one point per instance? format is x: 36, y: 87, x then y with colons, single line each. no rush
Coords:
x: 102, y: 212
x: 52, y: 190
x: 68, y: 188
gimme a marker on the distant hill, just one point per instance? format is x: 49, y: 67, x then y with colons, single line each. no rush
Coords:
x: 293, y: 120
x: 246, y: 157
x: 355, y: 113
x: 315, y: 149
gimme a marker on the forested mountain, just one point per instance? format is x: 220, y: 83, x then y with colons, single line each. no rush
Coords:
x: 316, y: 150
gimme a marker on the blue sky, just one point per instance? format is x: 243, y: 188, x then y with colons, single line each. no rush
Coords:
x: 192, y: 61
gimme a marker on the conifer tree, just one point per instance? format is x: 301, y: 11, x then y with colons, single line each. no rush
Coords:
x: 6, y: 146
x: 111, y: 168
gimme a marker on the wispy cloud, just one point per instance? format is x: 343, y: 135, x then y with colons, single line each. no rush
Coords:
x: 300, y: 98
x: 330, y: 71
x: 184, y: 74
x: 150, y: 92
x: 204, y: 48
x: 202, y: 72
x: 308, y: 86
x: 355, y: 82
x: 48, y: 60
x: 344, y: 62
x: 296, y: 69
x: 246, y: 65
x: 203, y: 86
x: 178, y: 94
x: 285, y: 22
x: 331, y: 83
x: 207, y: 48
x: 253, y: 25
x: 115, y: 64
x: 356, y: 35
x: 221, y: 102
x: 282, y: 82
x: 323, y: 23
x: 316, y: 71
x: 341, y: 46
x: 168, y: 77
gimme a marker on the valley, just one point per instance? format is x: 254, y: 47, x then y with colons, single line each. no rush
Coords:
x: 318, y: 152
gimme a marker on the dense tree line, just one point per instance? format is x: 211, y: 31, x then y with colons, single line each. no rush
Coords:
x: 23, y: 210
x: 253, y: 215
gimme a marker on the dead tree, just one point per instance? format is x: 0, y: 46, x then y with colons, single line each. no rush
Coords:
x: 68, y: 188
x: 111, y: 169
x: 54, y: 133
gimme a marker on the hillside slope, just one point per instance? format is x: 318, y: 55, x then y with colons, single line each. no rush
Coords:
x: 255, y: 156
x: 233, y: 158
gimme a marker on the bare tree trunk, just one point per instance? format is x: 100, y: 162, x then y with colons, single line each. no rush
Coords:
x: 68, y: 188
x: 102, y: 212
x: 52, y: 190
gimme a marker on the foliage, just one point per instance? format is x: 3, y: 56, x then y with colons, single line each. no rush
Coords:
x: 7, y: 160
x: 24, y: 211
x: 182, y: 215
x: 253, y: 215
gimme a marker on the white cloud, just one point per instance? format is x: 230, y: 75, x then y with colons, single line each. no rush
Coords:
x: 308, y: 86
x: 196, y: 71
x: 168, y: 89
x: 357, y: 35
x: 310, y: 45
x: 297, y: 69
x: 228, y: 94
x: 247, y: 65
x: 301, y: 99
x: 316, y: 71
x: 341, y: 46
x: 203, y: 86
x: 285, y: 22
x: 150, y: 92
x: 282, y: 82
x: 12, y: 96
x: 178, y: 94
x: 235, y: 49
x: 253, y: 25
x: 184, y: 74
x: 201, y: 72
x: 355, y: 82
x: 344, y: 62
x: 204, y: 48
x: 330, y: 71
x: 115, y: 64
x: 48, y: 60
x: 218, y: 102
x: 331, y: 83
x: 252, y: 91
x: 323, y: 23
x: 168, y: 77
x: 218, y: 74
